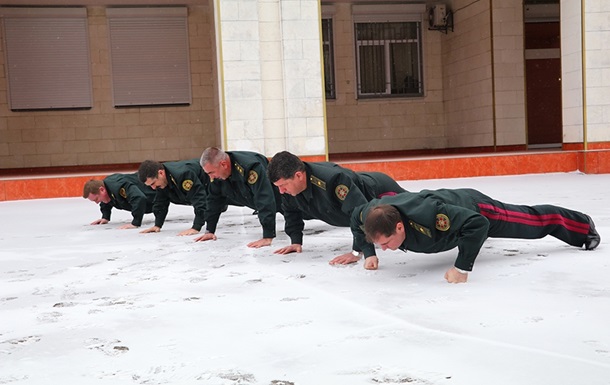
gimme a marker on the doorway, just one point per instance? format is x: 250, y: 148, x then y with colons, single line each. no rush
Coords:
x: 543, y: 76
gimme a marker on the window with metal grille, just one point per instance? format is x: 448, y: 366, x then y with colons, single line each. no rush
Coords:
x: 327, y: 51
x: 388, y: 59
x: 47, y: 58
x: 149, y: 54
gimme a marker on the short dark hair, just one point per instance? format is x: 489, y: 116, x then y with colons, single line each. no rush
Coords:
x: 92, y: 187
x: 381, y: 220
x: 149, y: 169
x: 284, y: 165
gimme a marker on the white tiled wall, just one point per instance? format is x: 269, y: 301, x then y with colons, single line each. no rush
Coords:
x: 597, y: 35
x: 571, y: 68
x: 271, y: 66
x: 597, y: 70
x: 509, y: 65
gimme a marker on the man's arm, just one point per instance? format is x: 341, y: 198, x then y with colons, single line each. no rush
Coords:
x: 472, y: 233
x: 360, y: 247
x: 106, y: 209
x: 293, y: 217
x: 293, y: 225
x: 197, y: 196
x: 215, y: 204
x: 160, y: 209
x: 264, y: 199
x: 137, y: 201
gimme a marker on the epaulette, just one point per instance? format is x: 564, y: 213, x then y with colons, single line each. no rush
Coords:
x: 239, y: 168
x: 424, y: 230
x: 317, y: 182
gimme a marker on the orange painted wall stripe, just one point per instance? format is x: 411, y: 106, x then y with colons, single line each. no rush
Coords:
x: 597, y: 162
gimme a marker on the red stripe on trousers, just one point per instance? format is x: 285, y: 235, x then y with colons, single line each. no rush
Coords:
x: 533, y: 220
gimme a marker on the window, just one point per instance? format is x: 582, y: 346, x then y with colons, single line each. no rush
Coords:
x: 149, y: 52
x: 388, y: 50
x: 327, y: 51
x: 47, y: 58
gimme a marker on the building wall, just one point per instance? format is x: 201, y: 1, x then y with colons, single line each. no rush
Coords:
x: 107, y: 135
x: 467, y: 80
x: 597, y: 35
x: 509, y: 73
x: 257, y: 85
x: 458, y: 107
x: 571, y: 68
x: 367, y: 125
x: 271, y: 70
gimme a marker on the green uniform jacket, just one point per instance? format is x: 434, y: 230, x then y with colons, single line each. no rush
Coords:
x: 187, y: 184
x: 128, y: 193
x: 331, y: 195
x: 248, y: 185
x: 434, y: 221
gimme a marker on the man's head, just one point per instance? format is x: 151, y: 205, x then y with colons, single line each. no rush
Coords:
x: 216, y: 163
x: 152, y: 174
x: 287, y: 172
x: 95, y: 191
x: 384, y: 227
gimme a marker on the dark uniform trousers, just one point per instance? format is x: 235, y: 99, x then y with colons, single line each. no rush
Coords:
x: 532, y: 222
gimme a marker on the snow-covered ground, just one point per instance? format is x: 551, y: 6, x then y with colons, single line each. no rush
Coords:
x: 83, y: 304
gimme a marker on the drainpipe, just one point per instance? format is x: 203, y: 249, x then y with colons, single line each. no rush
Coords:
x: 584, y: 84
x: 324, y: 116
x: 220, y: 77
x: 493, y: 74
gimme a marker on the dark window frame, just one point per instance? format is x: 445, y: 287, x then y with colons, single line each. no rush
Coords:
x: 389, y: 56
x: 330, y: 87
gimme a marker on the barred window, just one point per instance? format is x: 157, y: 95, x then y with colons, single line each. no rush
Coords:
x: 327, y: 51
x: 389, y: 59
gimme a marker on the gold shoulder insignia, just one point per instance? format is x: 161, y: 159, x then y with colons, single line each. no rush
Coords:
x: 123, y: 193
x: 420, y: 228
x: 252, y: 177
x: 341, y: 191
x: 442, y: 222
x: 239, y: 168
x: 187, y: 184
x: 318, y: 182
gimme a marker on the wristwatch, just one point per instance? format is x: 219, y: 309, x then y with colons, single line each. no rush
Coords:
x: 357, y: 253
